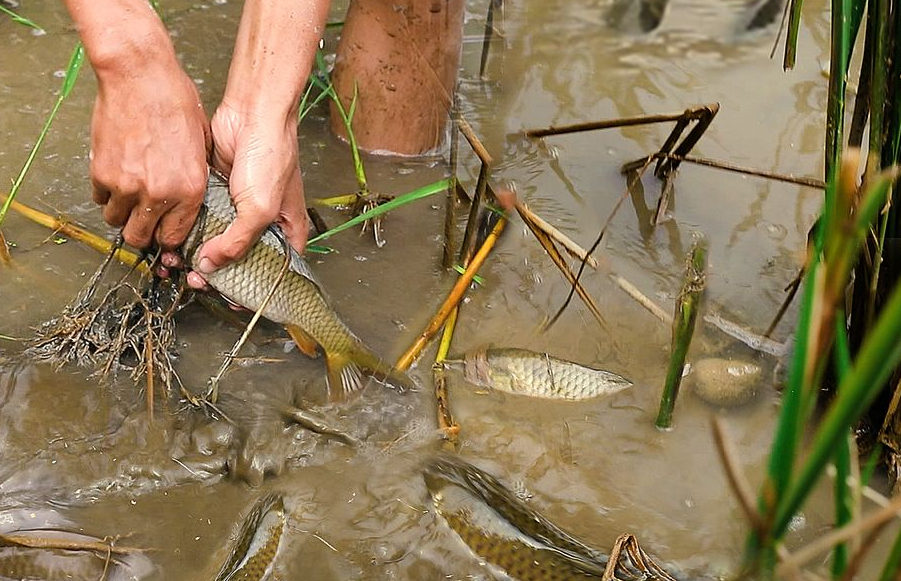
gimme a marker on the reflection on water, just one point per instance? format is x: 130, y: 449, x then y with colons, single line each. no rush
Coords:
x: 597, y: 468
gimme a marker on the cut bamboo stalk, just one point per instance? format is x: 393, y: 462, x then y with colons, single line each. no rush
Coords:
x: 474, y: 142
x: 686, y: 313
x: 453, y: 299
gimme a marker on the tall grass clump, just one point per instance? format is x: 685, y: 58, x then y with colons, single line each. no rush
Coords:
x: 848, y: 334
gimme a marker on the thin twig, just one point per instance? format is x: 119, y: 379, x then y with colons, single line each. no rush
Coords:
x: 740, y: 486
x: 5, y: 258
x: 597, y: 241
x: 556, y: 235
x: 604, y: 124
x: 731, y: 167
x: 558, y: 260
x: 32, y: 542
x: 213, y: 393
x: 633, y: 291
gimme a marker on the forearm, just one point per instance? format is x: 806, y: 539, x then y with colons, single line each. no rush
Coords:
x: 274, y: 53
x: 122, y: 37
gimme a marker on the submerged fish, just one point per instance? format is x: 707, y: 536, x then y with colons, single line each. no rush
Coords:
x: 538, y: 375
x: 513, y: 537
x: 299, y: 302
x: 253, y: 556
x: 18, y: 563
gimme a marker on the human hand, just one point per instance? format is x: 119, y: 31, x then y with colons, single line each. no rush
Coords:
x: 260, y: 157
x: 149, y: 144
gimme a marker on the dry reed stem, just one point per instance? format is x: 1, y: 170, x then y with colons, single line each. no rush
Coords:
x: 556, y: 235
x: 30, y: 542
x: 858, y: 558
x: 76, y: 232
x: 213, y: 394
x: 454, y: 297
x: 474, y: 142
x: 731, y: 167
x: 737, y: 480
x: 558, y: 260
x: 642, y: 299
x: 824, y: 543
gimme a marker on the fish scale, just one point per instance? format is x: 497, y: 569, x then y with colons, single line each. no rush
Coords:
x: 298, y: 301
x: 539, y: 375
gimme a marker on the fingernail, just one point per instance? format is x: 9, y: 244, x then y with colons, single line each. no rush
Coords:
x: 206, y: 266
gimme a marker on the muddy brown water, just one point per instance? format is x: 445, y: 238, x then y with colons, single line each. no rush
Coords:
x: 597, y: 468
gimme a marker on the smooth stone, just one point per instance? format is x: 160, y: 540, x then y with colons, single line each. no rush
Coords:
x: 725, y: 382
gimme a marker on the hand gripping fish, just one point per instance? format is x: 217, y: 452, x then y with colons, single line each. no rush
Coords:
x: 298, y: 302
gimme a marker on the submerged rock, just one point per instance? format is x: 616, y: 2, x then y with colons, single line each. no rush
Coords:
x: 725, y: 382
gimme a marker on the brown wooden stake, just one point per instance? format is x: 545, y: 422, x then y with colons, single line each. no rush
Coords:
x: 453, y: 298
x: 474, y: 142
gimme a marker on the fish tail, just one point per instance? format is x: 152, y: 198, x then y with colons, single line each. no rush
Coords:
x: 346, y: 370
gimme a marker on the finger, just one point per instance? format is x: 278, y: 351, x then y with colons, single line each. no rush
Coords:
x: 293, y: 218
x: 234, y: 243
x: 175, y: 224
x: 118, y: 209
x: 197, y: 282
x: 172, y: 260
x: 142, y: 221
x: 99, y: 194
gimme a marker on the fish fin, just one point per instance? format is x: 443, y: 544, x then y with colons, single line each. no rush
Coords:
x: 347, y: 370
x: 344, y: 375
x: 305, y: 343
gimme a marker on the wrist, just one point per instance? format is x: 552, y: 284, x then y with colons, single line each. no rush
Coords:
x: 127, y: 51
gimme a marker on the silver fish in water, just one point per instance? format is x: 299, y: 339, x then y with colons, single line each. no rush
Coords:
x: 541, y: 375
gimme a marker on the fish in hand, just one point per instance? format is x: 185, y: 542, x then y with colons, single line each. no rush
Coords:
x: 298, y: 302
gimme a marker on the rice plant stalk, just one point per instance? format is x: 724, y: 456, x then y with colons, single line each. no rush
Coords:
x: 18, y: 19
x: 75, y: 62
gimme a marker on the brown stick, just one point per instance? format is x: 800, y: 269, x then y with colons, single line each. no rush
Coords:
x: 556, y: 235
x: 446, y: 422
x: 726, y: 166
x: 737, y: 481
x: 30, y: 542
x: 453, y: 298
x: 604, y: 124
x: 552, y: 251
x: 474, y: 142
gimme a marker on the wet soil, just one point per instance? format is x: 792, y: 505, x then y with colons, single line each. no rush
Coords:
x: 597, y: 468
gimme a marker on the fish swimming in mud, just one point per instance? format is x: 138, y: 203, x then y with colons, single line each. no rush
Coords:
x: 299, y: 301
x: 502, y: 530
x: 256, y: 547
x: 541, y: 375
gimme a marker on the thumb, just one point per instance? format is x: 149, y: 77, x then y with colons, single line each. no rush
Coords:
x: 233, y: 243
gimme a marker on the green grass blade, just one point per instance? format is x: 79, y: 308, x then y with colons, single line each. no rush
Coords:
x: 893, y: 562
x: 19, y: 19
x: 416, y: 194
x: 844, y: 499
x: 74, y: 67
x: 878, y: 357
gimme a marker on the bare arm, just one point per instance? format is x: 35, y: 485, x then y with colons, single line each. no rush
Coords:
x: 255, y: 127
x: 149, y: 133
